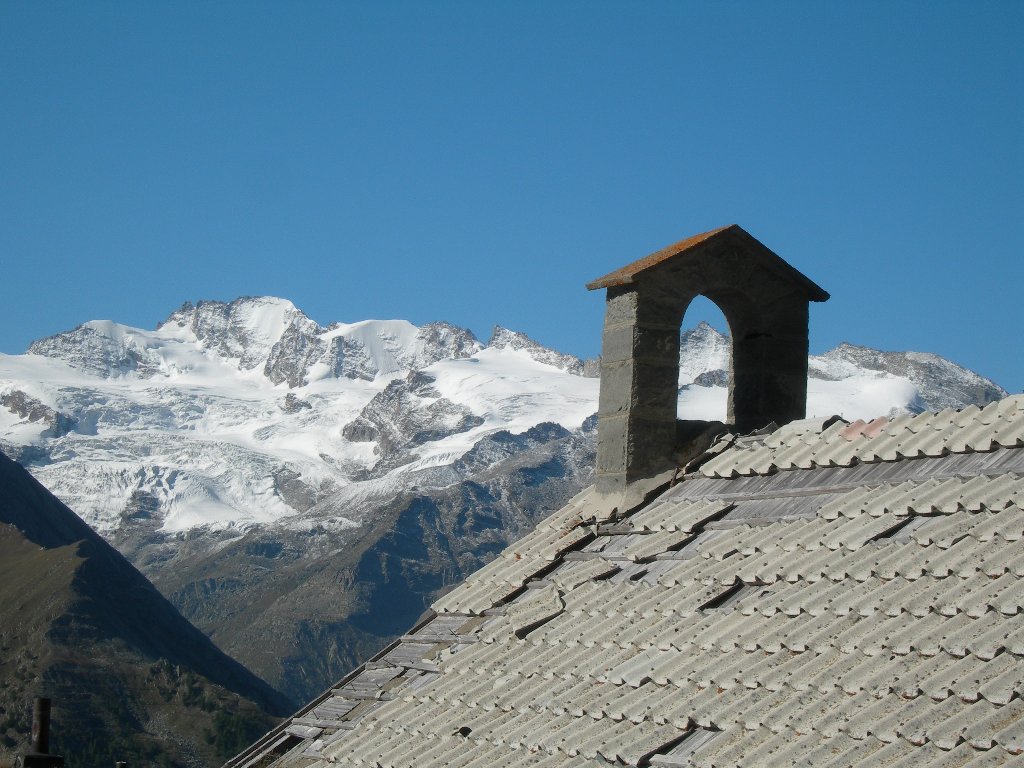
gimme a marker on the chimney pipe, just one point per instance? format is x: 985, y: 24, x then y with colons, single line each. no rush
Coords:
x: 40, y: 756
x: 41, y: 726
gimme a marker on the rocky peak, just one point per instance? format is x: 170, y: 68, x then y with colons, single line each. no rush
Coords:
x: 703, y: 334
x: 703, y: 350
x: 503, y: 338
x: 940, y: 383
x: 442, y: 341
x: 244, y: 330
x: 409, y: 412
x: 299, y: 347
x: 101, y: 348
x: 293, y: 349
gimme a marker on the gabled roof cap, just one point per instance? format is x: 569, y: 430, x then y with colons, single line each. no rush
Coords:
x: 629, y: 273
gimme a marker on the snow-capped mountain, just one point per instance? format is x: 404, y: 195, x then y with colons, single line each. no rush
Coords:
x: 851, y: 381
x: 300, y: 491
x: 248, y: 412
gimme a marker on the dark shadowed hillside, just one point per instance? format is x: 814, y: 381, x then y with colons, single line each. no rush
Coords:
x: 131, y: 679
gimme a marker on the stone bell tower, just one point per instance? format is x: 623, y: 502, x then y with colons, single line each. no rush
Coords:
x: 764, y: 300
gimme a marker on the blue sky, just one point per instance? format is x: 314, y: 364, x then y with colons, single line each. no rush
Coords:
x: 478, y: 162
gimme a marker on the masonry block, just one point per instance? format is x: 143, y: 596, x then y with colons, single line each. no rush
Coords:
x: 616, y: 394
x: 617, y: 344
x: 620, y: 307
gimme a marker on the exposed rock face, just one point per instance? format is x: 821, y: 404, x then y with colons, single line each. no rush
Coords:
x: 441, y: 341
x: 292, y: 348
x: 715, y: 378
x: 244, y: 330
x: 703, y: 351
x: 294, y: 404
x: 353, y: 359
x: 940, y: 383
x: 94, y: 349
x: 408, y: 413
x: 30, y: 409
x: 298, y: 349
x: 503, y: 338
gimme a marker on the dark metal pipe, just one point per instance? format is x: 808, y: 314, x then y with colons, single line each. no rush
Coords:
x: 41, y: 726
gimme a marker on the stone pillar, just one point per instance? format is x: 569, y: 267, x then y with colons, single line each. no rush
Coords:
x: 768, y: 380
x: 639, y: 380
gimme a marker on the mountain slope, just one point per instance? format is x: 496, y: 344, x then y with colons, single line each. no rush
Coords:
x: 302, y: 601
x: 852, y: 381
x: 939, y: 383
x: 125, y: 670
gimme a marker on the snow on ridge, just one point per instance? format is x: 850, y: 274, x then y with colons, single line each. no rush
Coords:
x: 243, y: 331
x: 702, y: 349
x: 385, y: 343
x: 231, y: 414
x: 363, y: 329
x: 504, y: 338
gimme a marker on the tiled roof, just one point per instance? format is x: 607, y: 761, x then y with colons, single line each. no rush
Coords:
x: 802, y: 445
x: 830, y: 594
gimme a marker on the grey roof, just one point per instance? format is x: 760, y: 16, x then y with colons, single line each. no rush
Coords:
x: 830, y: 594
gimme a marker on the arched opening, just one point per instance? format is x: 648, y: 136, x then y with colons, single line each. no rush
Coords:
x: 705, y: 348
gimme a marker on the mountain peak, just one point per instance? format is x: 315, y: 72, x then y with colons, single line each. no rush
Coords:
x: 244, y: 330
x: 703, y: 350
x: 940, y: 383
x: 101, y: 348
x: 703, y: 330
x: 183, y: 314
x: 504, y: 338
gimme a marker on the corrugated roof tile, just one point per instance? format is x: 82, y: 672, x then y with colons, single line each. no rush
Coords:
x: 683, y: 515
x: 995, y: 727
x: 798, y: 613
x: 927, y: 434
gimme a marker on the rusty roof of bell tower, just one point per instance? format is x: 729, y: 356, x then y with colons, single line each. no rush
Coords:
x: 629, y: 273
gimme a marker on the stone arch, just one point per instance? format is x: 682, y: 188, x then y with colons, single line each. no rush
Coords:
x: 765, y: 302
x: 702, y: 311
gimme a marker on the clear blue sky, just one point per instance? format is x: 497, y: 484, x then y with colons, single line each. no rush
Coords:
x: 478, y: 162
